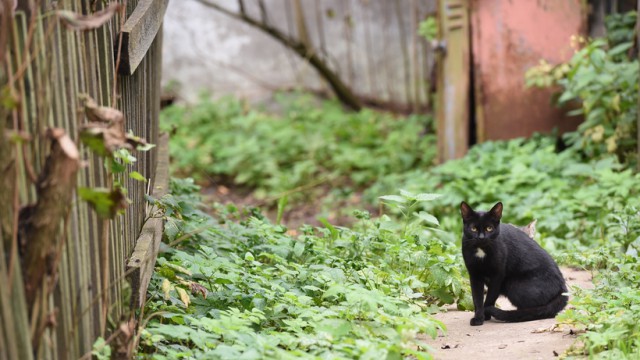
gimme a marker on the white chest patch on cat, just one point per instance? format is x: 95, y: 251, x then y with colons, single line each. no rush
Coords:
x: 480, y: 253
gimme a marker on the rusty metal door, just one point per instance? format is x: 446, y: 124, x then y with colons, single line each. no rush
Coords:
x: 485, y: 48
x: 508, y: 38
x: 452, y: 106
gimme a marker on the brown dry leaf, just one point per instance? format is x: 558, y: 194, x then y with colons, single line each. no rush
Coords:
x: 99, y: 113
x: 104, y: 141
x: 75, y: 21
x: 104, y: 133
x: 197, y: 288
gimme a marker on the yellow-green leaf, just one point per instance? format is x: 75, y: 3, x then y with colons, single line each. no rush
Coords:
x: 166, y: 288
x: 184, y: 296
x: 137, y: 176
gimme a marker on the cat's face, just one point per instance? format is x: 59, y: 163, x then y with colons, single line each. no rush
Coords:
x: 479, y: 224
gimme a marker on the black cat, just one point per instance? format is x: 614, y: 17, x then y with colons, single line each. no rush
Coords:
x: 510, y: 263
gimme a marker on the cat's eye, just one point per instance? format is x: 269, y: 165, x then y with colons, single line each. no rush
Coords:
x: 489, y: 228
x: 474, y: 229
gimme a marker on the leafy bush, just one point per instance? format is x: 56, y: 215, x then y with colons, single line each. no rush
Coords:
x: 587, y: 212
x: 238, y: 286
x: 610, y: 313
x: 306, y: 146
x: 603, y: 79
x: 574, y: 201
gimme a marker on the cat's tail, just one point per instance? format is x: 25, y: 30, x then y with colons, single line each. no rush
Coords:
x: 536, y: 313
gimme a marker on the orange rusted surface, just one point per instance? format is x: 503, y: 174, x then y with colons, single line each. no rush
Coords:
x: 509, y: 37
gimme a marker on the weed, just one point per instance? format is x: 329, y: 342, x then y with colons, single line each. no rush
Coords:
x: 306, y: 147
x: 251, y: 289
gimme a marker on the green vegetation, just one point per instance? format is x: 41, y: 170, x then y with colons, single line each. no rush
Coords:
x: 393, y: 269
x: 575, y: 202
x: 610, y: 313
x: 237, y: 286
x: 308, y: 145
x: 601, y: 83
x: 233, y: 284
x: 601, y: 80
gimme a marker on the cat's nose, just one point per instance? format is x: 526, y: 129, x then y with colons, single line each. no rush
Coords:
x: 481, y: 236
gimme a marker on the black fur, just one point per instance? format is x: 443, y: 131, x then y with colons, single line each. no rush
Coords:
x: 513, y: 265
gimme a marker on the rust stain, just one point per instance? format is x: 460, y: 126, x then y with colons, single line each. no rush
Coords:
x: 509, y: 37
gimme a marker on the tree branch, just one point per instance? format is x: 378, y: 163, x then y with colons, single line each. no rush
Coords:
x: 40, y: 222
x: 341, y: 90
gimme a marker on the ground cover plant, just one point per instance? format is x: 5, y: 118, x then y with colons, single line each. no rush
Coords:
x: 586, y: 211
x: 588, y: 215
x: 235, y: 285
x: 585, y: 199
x: 307, y: 145
x: 574, y: 201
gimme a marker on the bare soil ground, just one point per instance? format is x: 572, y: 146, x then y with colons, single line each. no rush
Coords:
x: 539, y: 339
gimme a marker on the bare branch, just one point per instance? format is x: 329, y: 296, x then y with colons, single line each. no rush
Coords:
x: 241, y: 6
x: 263, y: 12
x: 341, y: 90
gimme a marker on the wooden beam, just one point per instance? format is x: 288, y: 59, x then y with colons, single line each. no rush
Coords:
x: 138, y: 33
x: 143, y: 259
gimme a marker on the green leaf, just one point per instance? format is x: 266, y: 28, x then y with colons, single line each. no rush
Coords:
x: 391, y: 226
x: 137, y: 176
x: 424, y: 216
x: 337, y: 328
x: 298, y: 248
x: 427, y: 197
x: 621, y: 48
x: 394, y: 198
x: 94, y: 140
x: 178, y: 268
x: 107, y: 203
x: 101, y: 350
x: 282, y: 203
x: 332, y: 230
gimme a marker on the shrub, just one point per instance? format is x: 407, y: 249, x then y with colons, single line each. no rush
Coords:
x: 603, y: 79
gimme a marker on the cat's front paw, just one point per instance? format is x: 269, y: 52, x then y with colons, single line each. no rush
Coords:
x: 476, y: 321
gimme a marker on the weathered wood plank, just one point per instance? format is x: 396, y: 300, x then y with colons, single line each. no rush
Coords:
x: 138, y: 33
x: 143, y: 259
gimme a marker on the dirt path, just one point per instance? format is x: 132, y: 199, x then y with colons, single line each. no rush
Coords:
x: 494, y: 340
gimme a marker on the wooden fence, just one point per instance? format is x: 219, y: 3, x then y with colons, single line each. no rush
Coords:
x: 54, y: 56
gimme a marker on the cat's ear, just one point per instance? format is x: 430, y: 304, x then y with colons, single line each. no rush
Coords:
x: 496, y: 211
x: 530, y: 229
x: 466, y: 211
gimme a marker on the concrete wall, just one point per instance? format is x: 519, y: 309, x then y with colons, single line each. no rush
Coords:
x: 372, y: 44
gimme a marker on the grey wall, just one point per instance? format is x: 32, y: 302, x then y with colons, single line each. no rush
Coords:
x: 371, y: 44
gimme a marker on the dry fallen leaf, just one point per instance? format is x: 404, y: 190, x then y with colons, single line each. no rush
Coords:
x: 197, y: 288
x: 77, y: 21
x: 104, y: 133
x: 102, y: 114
